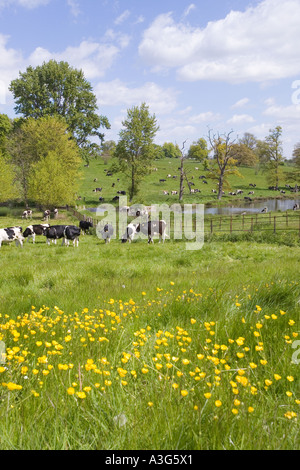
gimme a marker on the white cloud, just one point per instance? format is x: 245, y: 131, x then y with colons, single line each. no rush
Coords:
x: 74, y: 7
x: 240, y: 119
x: 122, y: 17
x: 30, y: 4
x: 240, y: 103
x: 259, y: 44
x: 117, y: 93
x: 188, y: 10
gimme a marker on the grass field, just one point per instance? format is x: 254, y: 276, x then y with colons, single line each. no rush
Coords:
x: 137, y: 346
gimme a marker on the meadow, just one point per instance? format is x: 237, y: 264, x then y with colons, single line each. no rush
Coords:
x: 137, y: 346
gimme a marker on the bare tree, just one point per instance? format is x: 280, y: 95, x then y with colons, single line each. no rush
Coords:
x: 182, y: 172
x: 224, y: 153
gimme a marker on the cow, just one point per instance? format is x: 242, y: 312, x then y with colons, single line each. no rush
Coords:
x: 85, y: 226
x: 122, y: 192
x: 26, y: 214
x: 265, y: 210
x: 174, y: 193
x: 54, y: 232
x: 55, y: 212
x: 46, y: 215
x: 151, y: 228
x: 97, y: 190
x: 296, y: 207
x: 162, y: 180
x: 32, y: 230
x: 11, y: 234
x: 251, y: 192
x: 71, y: 232
x: 129, y: 233
x: 166, y: 193
x: 107, y: 232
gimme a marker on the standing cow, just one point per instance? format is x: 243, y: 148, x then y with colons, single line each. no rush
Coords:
x: 11, y: 234
x: 107, y: 232
x: 72, y: 233
x: 32, y: 230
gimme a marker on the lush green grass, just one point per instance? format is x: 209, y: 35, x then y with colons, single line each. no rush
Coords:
x: 83, y: 319
x: 118, y: 346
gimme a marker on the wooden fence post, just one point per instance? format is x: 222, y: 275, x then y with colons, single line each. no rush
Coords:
x: 274, y: 224
x: 231, y: 224
x: 211, y: 225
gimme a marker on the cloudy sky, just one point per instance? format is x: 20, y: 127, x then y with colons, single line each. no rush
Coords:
x: 218, y: 64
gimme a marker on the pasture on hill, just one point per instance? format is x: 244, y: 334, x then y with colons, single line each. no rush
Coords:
x: 151, y: 190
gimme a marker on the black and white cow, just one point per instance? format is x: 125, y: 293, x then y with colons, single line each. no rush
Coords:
x: 153, y: 227
x: 46, y: 215
x: 296, y: 207
x: 85, y: 226
x: 129, y: 233
x: 107, y: 232
x: 11, y: 234
x: 26, y: 214
x: 55, y: 212
x: 72, y: 233
x: 54, y: 232
x: 32, y: 230
x: 149, y: 228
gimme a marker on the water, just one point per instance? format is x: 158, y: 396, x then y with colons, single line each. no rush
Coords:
x: 273, y: 205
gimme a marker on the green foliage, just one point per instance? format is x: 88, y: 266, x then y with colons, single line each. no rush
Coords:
x: 199, y: 150
x: 8, y: 189
x: 135, y: 150
x: 57, y: 89
x: 171, y: 150
x: 32, y: 143
x: 54, y: 179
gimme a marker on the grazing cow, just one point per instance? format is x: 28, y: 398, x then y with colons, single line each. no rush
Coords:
x: 107, y: 232
x: 32, y: 230
x: 265, y: 210
x: 174, y: 193
x: 122, y: 192
x: 85, y: 226
x: 71, y: 232
x: 152, y: 228
x: 54, y: 232
x: 166, y: 193
x: 295, y: 207
x: 101, y: 199
x: 251, y: 192
x: 116, y: 198
x: 46, y: 215
x: 239, y: 191
x: 214, y: 190
x: 162, y: 181
x: 129, y: 233
x: 247, y: 198
x: 11, y: 234
x: 97, y: 190
x: 252, y: 185
x: 26, y: 214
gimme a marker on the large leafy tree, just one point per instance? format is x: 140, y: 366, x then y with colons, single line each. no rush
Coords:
x: 171, y: 150
x: 33, y: 142
x: 199, y: 150
x: 135, y: 149
x: 55, y: 88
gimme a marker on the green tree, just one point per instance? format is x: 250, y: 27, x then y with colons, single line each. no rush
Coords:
x: 33, y: 141
x: 8, y: 188
x: 294, y: 175
x: 5, y: 129
x: 54, y: 179
x: 223, y: 163
x: 171, y: 150
x: 244, y: 155
x: 55, y: 88
x: 199, y: 150
x: 135, y: 150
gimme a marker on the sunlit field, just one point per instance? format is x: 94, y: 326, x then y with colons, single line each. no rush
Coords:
x: 137, y: 346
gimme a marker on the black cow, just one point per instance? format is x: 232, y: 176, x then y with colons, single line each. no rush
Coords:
x: 85, y: 226
x: 54, y: 232
x: 32, y: 230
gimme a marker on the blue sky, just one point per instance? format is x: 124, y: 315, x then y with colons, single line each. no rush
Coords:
x: 219, y: 64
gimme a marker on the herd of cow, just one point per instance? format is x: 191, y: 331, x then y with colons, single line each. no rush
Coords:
x: 72, y: 233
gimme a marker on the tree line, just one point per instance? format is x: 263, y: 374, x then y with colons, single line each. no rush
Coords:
x: 59, y: 128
